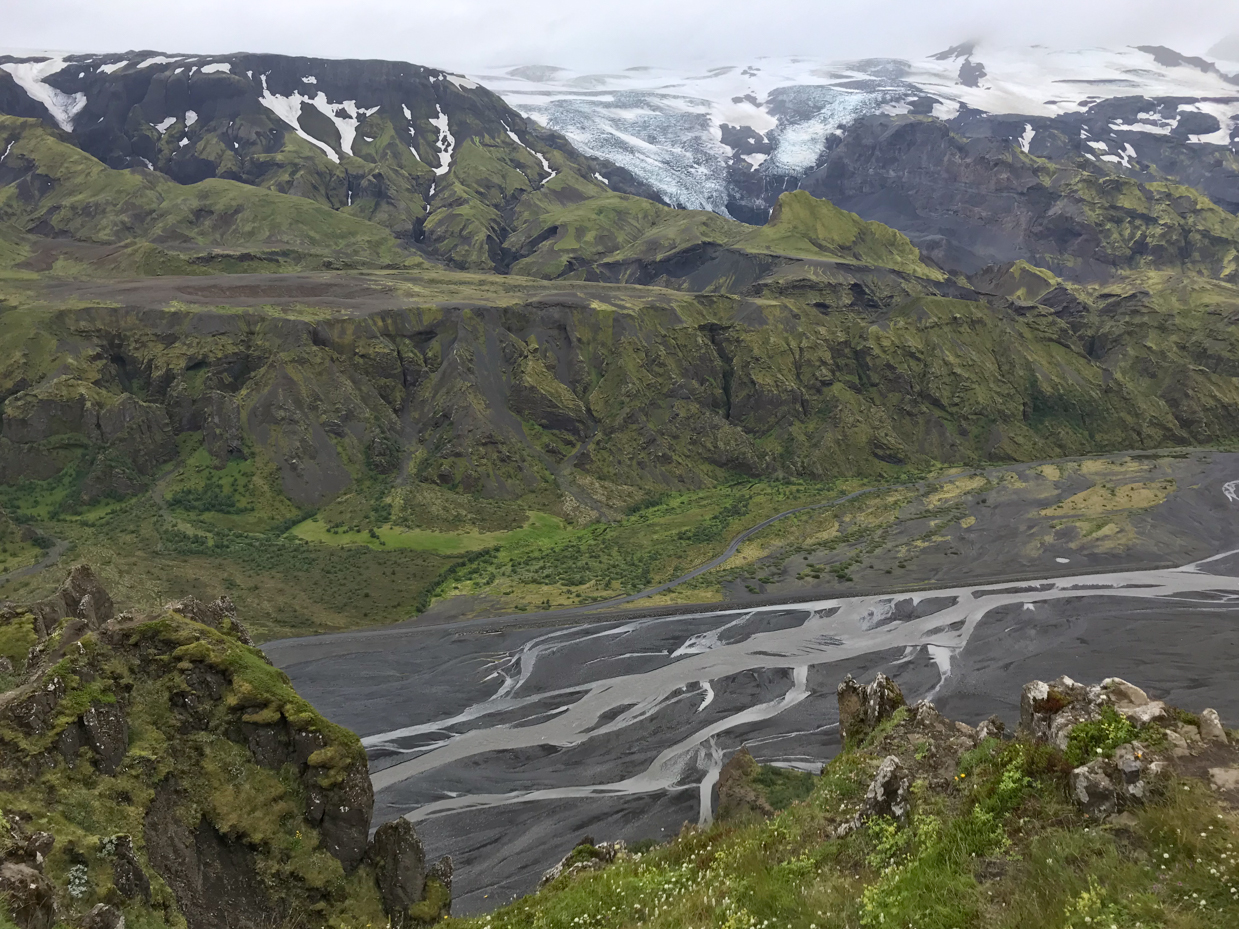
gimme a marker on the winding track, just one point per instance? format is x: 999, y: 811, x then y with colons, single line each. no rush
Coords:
x: 53, y: 555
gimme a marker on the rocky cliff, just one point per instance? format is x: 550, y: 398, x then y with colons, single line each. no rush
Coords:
x: 973, y: 201
x: 157, y: 769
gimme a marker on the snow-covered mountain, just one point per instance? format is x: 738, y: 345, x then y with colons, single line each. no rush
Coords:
x: 731, y: 138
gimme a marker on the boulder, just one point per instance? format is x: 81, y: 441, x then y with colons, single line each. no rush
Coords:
x: 889, y: 795
x: 1226, y: 779
x: 1123, y: 694
x: 1093, y: 789
x: 736, y: 793
x: 107, y: 733
x: 30, y: 897
x: 35, y: 849
x: 863, y: 708
x: 81, y: 596
x: 399, y: 862
x: 1178, y: 744
x: 586, y: 856
x: 1128, y: 777
x: 1048, y: 712
x: 1211, y: 729
x: 127, y: 874
x: 220, y: 614
x: 103, y: 916
x: 1152, y: 712
x: 442, y: 872
x: 992, y: 728
x: 888, y: 792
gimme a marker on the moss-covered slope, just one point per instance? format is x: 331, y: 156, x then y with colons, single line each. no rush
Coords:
x: 157, y: 767
x: 572, y: 231
x: 51, y: 188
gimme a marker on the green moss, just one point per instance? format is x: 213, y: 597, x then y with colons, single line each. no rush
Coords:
x: 94, y: 203
x: 1099, y: 737
x: 433, y: 906
x: 17, y: 637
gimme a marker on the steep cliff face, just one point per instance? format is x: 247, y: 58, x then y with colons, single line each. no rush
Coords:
x: 158, y: 768
x: 980, y: 201
x: 827, y: 369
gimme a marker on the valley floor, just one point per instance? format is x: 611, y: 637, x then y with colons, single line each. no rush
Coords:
x: 525, y: 732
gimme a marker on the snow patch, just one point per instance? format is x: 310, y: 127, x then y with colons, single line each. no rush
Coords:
x: 1063, y: 560
x: 311, y: 79
x: 345, y: 116
x: 599, y: 177
x: 217, y: 67
x: 289, y: 110
x: 7, y: 150
x: 158, y: 60
x: 30, y: 75
x: 1027, y: 137
x: 446, y: 142
x: 164, y: 125
x: 190, y: 118
x: 463, y: 82
x: 108, y: 69
x: 182, y: 143
x: 546, y: 165
x: 757, y: 159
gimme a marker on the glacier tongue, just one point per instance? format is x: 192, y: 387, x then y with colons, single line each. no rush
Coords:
x: 671, y: 127
x: 30, y: 76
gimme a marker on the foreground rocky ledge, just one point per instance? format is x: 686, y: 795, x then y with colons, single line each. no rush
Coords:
x: 1104, y: 808
x: 157, y: 768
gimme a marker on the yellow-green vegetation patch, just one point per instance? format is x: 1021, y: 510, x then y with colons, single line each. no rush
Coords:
x: 538, y: 527
x: 656, y: 541
x: 1106, y: 498
x: 954, y: 490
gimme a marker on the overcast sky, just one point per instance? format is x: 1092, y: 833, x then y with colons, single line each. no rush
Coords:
x: 604, y: 34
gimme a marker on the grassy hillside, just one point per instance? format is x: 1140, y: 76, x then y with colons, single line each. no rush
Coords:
x: 54, y: 189
x: 571, y: 230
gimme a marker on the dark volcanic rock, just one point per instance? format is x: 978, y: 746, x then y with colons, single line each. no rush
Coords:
x: 107, y: 733
x: 29, y: 895
x: 127, y: 873
x: 399, y: 865
x: 969, y: 191
x: 103, y: 916
x: 215, y: 881
x: 863, y: 708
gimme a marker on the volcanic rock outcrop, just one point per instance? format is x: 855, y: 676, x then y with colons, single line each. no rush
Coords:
x: 204, y: 788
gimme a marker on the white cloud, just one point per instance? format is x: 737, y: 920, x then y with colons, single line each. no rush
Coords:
x: 604, y: 34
